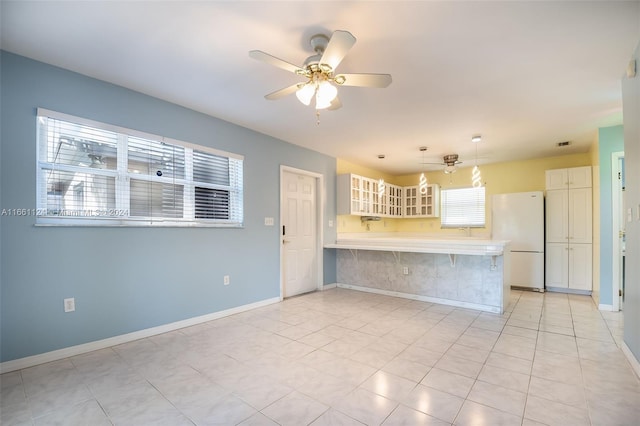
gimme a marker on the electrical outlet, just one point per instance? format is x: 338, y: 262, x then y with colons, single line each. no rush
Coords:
x: 226, y: 280
x: 405, y: 270
x: 70, y: 304
x: 330, y: 224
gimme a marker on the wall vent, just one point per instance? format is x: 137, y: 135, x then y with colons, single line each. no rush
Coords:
x: 565, y: 143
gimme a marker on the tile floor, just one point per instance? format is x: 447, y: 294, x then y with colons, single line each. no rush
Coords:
x: 342, y: 357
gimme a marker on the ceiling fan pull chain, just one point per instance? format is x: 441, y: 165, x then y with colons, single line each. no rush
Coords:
x: 318, y: 117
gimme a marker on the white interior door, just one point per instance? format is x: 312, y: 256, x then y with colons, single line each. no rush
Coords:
x: 619, y: 220
x: 299, y: 233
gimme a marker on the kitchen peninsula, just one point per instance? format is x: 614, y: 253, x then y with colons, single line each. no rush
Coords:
x: 463, y: 272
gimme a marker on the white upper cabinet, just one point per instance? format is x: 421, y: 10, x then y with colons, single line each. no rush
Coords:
x: 575, y: 177
x: 361, y: 196
x: 417, y: 204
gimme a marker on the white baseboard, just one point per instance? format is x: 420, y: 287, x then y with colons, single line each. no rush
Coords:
x: 30, y: 361
x: 603, y: 307
x: 457, y: 304
x: 329, y: 286
x: 635, y: 364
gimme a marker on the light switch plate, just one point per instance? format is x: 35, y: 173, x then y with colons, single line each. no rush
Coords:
x: 268, y: 221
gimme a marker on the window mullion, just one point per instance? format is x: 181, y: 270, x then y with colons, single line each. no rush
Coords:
x: 189, y: 190
x: 122, y: 181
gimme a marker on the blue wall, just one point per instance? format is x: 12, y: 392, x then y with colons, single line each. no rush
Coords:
x: 610, y: 140
x: 129, y: 279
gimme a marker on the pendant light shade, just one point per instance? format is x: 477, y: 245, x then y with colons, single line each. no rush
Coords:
x: 423, y: 184
x: 476, y: 177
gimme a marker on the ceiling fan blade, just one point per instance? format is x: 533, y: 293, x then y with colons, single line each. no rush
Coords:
x: 339, y: 45
x: 366, y: 80
x: 282, y: 92
x: 272, y: 60
x: 335, y: 104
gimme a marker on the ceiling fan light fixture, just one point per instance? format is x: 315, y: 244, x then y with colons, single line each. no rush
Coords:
x: 325, y: 93
x: 305, y: 93
x: 476, y: 138
x: 450, y: 169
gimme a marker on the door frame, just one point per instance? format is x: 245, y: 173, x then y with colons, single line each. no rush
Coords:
x: 320, y: 202
x: 616, y: 203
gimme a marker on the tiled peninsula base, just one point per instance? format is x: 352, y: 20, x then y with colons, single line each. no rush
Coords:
x: 471, y: 281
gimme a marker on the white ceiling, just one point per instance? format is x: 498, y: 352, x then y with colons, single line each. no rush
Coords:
x: 525, y: 75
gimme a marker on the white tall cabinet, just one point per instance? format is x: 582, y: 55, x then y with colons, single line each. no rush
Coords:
x: 568, y: 227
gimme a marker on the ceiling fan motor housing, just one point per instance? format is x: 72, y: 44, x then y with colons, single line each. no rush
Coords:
x: 450, y: 160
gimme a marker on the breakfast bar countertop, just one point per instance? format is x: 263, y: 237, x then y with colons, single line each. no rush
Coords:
x: 416, y: 243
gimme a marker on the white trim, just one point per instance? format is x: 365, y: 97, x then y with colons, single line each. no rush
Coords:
x: 608, y: 308
x: 456, y: 303
x: 320, y: 203
x: 635, y: 364
x: 30, y: 361
x: 329, y: 286
x: 132, y: 132
x: 616, y: 201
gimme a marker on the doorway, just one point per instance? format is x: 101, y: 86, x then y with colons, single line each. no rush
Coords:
x: 300, y: 231
x: 618, y: 217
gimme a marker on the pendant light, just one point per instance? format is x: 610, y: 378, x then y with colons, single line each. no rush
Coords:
x: 381, y: 187
x: 423, y: 184
x: 476, y: 177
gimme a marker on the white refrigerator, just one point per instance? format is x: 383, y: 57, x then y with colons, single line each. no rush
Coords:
x: 519, y: 217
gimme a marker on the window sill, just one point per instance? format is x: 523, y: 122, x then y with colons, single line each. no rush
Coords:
x: 131, y: 223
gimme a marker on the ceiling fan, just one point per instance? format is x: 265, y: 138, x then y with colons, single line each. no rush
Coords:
x: 319, y: 71
x: 450, y: 162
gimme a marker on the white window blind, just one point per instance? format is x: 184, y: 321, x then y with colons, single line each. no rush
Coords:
x: 462, y: 207
x: 95, y: 174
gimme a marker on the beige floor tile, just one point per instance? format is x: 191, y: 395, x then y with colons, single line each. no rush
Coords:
x: 564, y: 393
x: 405, y: 416
x: 505, y: 378
x: 556, y: 367
x: 388, y: 385
x: 350, y: 358
x: 407, y: 369
x: 474, y: 414
x: 333, y: 417
x: 445, y: 381
x: 557, y: 343
x: 366, y: 407
x: 433, y: 402
x: 460, y: 366
x: 467, y: 352
x: 554, y: 413
x: 295, y: 409
x: 498, y: 397
x: 511, y: 363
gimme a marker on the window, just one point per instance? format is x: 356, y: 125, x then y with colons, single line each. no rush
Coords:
x: 91, y: 173
x: 462, y: 207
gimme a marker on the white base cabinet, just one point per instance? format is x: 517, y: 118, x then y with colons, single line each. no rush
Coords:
x: 569, y: 266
